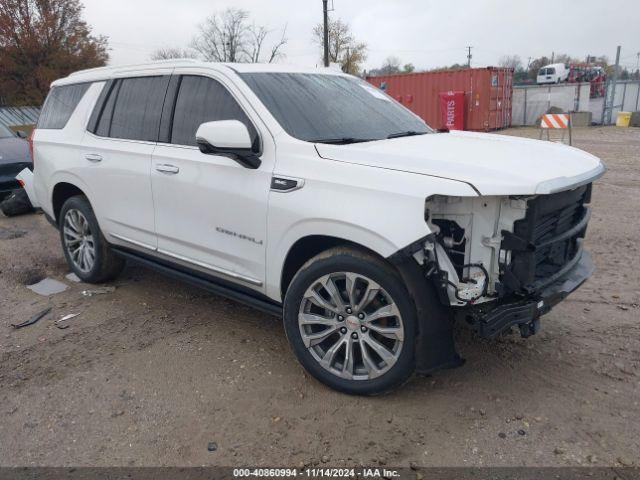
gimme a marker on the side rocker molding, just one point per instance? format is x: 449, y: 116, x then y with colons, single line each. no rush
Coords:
x: 435, y: 347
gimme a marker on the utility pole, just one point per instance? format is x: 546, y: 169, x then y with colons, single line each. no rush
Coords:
x: 553, y: 56
x: 611, y: 91
x: 326, y: 32
x: 469, y: 57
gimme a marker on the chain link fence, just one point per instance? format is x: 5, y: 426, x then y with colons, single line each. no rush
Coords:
x: 531, y: 101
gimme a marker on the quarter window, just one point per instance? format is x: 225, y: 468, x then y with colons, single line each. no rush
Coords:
x: 60, y: 104
x: 200, y: 100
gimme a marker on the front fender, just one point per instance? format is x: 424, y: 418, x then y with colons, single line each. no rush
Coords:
x: 382, y: 210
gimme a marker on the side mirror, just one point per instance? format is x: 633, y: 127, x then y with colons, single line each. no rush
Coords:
x: 21, y: 134
x: 229, y: 138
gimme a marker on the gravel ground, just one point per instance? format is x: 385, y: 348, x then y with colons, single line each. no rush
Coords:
x: 151, y: 373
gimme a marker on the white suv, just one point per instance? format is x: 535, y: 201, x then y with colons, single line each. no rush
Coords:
x: 312, y: 195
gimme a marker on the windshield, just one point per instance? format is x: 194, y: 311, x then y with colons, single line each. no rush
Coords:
x: 332, y: 108
x: 5, y: 132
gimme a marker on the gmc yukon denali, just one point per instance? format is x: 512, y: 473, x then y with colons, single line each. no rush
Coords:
x: 312, y: 195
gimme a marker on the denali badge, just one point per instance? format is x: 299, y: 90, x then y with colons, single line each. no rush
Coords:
x: 238, y: 235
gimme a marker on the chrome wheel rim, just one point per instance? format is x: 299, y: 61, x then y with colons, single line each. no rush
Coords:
x: 351, y: 326
x: 78, y: 240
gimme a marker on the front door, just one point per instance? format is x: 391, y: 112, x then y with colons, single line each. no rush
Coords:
x: 210, y: 211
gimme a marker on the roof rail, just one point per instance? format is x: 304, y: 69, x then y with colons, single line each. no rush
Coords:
x: 173, y: 61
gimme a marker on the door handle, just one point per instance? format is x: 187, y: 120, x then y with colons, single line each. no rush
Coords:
x: 166, y: 168
x: 93, y: 157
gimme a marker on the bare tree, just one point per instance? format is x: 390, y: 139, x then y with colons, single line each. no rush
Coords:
x: 510, y: 61
x: 228, y: 37
x: 172, y: 52
x: 343, y: 48
x: 256, y: 36
x: 390, y: 66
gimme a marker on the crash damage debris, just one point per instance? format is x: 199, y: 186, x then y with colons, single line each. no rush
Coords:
x: 16, y: 204
x: 10, y: 234
x: 72, y: 277
x: 36, y: 318
x: 47, y: 287
x: 62, y: 326
x: 98, y: 291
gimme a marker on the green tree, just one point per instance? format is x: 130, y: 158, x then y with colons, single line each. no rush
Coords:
x: 408, y: 68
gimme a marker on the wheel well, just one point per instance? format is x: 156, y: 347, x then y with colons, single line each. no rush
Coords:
x: 61, y: 193
x: 307, y: 248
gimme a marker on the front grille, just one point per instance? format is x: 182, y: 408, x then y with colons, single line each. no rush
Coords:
x: 546, y: 240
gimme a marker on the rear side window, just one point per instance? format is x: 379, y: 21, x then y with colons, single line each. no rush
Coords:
x: 200, y: 100
x: 132, y: 109
x: 60, y: 104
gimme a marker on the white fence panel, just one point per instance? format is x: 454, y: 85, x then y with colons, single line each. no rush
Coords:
x: 529, y: 102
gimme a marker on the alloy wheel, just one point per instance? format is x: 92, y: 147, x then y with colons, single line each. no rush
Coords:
x: 351, y: 326
x: 78, y: 240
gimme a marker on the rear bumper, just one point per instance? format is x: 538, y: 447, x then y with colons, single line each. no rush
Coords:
x: 525, y: 312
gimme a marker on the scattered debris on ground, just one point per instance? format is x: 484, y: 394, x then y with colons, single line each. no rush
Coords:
x: 35, y: 319
x: 72, y: 277
x: 156, y: 370
x: 60, y: 323
x: 98, y: 291
x: 47, y: 287
x: 10, y: 233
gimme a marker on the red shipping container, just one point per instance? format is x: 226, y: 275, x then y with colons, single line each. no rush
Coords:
x: 487, y: 92
x: 451, y: 110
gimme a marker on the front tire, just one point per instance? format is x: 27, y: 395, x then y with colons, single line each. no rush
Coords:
x: 85, y: 248
x: 351, y: 322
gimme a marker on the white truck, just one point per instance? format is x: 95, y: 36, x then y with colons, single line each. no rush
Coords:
x: 309, y: 194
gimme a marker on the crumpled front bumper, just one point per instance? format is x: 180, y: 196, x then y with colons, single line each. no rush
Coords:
x: 526, y: 312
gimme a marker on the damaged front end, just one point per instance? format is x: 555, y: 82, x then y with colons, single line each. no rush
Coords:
x: 502, y: 262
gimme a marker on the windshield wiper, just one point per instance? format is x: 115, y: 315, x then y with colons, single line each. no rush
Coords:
x: 408, y: 133
x: 342, y: 141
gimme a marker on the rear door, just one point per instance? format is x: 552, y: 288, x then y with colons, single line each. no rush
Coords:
x: 117, y: 149
x: 211, y: 212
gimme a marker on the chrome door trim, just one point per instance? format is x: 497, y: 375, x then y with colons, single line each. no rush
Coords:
x: 222, y: 271
x: 133, y: 242
x: 202, y: 265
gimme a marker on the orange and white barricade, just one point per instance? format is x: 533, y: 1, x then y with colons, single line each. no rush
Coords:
x: 556, y: 121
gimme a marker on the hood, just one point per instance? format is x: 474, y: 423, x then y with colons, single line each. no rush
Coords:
x: 492, y: 164
x: 14, y: 150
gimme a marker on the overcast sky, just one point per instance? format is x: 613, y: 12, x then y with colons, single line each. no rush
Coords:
x: 427, y: 33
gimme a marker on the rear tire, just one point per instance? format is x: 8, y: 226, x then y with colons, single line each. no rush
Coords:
x: 351, y: 322
x: 85, y: 248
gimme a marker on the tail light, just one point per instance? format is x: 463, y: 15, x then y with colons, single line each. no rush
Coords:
x: 30, y: 141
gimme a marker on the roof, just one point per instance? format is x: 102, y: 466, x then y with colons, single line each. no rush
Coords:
x: 17, y: 116
x: 104, y: 73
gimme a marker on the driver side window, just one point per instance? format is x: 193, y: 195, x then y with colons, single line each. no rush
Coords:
x: 200, y: 100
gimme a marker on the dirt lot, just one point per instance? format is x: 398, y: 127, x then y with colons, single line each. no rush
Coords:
x: 152, y: 372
